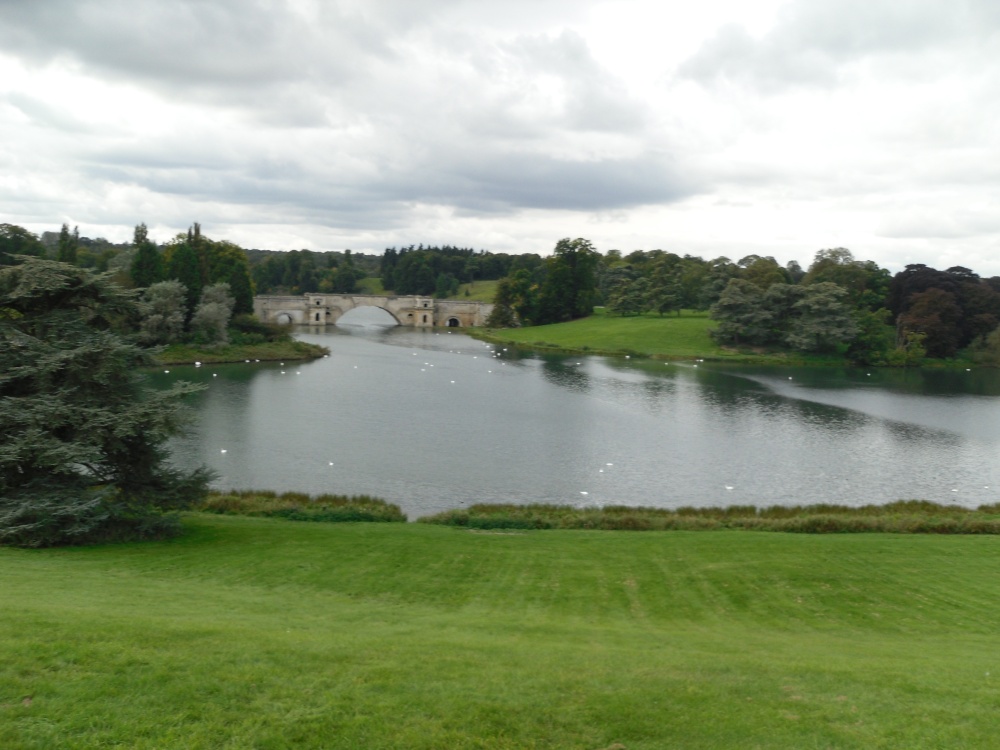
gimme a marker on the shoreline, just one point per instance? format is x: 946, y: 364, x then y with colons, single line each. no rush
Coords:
x: 491, y: 336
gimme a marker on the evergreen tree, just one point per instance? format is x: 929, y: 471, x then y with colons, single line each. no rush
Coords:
x: 69, y: 243
x: 147, y: 265
x: 183, y: 266
x: 242, y: 289
x: 82, y: 442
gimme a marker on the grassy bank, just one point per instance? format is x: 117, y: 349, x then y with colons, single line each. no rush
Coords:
x: 263, y: 633
x: 668, y: 337
x: 179, y: 354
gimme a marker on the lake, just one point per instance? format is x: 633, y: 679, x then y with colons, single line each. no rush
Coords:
x: 433, y: 420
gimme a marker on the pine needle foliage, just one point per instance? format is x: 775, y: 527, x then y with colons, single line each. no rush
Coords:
x: 82, y: 441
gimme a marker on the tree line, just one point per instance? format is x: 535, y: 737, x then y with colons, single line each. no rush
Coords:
x: 838, y: 304
x: 307, y: 271
x: 439, y: 271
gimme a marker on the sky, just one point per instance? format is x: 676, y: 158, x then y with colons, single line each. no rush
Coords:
x: 716, y: 128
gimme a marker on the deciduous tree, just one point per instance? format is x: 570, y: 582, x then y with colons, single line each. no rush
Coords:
x: 210, y: 321
x: 15, y: 240
x: 163, y: 313
x: 742, y: 314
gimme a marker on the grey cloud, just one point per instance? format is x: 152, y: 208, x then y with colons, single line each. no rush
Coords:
x: 500, y: 183
x: 46, y: 115
x: 813, y: 39
x: 504, y: 182
x: 191, y: 45
x: 594, y: 99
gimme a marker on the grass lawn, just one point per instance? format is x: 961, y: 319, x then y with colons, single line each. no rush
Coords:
x: 684, y: 337
x: 262, y: 633
x: 371, y: 285
x: 479, y: 291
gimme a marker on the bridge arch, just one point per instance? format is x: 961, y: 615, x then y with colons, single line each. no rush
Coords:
x: 317, y: 309
x: 364, y: 314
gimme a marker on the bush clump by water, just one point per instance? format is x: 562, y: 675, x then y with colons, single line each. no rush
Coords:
x: 903, y: 516
x: 297, y: 506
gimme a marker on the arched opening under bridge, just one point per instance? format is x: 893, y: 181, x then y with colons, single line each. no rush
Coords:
x: 368, y: 316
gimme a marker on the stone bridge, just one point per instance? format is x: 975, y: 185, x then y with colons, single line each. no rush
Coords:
x: 413, y: 310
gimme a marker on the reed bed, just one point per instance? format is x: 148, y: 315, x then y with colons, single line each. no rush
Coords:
x: 904, y: 516
x: 297, y: 506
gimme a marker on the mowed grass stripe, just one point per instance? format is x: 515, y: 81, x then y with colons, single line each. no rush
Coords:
x: 271, y: 634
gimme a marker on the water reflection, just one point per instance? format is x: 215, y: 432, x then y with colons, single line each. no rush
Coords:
x: 434, y: 419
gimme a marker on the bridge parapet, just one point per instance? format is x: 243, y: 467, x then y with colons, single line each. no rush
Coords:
x: 407, y: 310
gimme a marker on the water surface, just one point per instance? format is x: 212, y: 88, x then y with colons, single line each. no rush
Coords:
x: 434, y: 420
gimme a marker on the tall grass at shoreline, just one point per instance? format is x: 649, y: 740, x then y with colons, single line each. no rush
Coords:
x: 906, y: 516
x: 298, y: 506
x: 901, y: 517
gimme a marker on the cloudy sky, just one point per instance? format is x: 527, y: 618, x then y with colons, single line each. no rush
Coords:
x: 717, y: 127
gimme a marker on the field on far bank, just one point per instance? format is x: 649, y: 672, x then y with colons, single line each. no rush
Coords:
x: 263, y: 633
x: 684, y: 336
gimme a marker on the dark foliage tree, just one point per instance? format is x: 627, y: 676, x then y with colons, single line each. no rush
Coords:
x: 69, y: 243
x: 425, y: 282
x: 446, y: 286
x: 82, y: 442
x: 183, y: 265
x: 502, y: 315
x: 147, y: 264
x: 936, y: 314
x: 916, y: 278
x: 763, y: 271
x: 15, y: 240
x: 524, y: 295
x: 742, y: 314
x: 342, y: 277
x: 874, y: 339
x: 822, y: 319
x: 630, y: 297
x: 794, y: 271
x: 569, y: 289
x: 716, y: 275
x: 666, y: 284
x: 866, y: 284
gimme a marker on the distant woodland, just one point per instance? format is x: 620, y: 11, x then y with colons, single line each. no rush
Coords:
x: 837, y: 303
